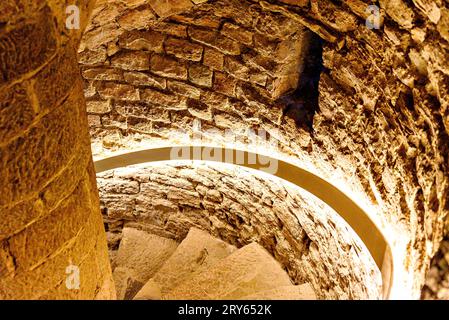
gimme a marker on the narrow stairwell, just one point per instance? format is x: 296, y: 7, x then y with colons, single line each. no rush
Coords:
x: 201, y: 267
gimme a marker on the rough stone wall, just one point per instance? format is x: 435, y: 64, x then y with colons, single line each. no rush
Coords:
x: 143, y: 76
x: 437, y: 281
x: 380, y: 123
x: 239, y: 206
x: 49, y: 206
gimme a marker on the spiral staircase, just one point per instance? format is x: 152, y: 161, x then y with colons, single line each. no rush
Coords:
x: 201, y: 267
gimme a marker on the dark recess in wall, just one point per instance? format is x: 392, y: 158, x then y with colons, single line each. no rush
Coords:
x: 302, y: 104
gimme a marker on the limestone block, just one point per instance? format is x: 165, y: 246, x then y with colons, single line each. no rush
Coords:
x: 167, y: 67
x: 184, y: 89
x: 98, y: 106
x: 184, y: 49
x: 27, y: 47
x: 248, y: 270
x: 200, y: 75
x: 237, y: 33
x: 105, y: 74
x: 197, y: 252
x: 215, y: 40
x: 16, y: 112
x: 213, y: 59
x: 118, y: 91
x: 131, y: 60
x: 144, y: 79
x: 139, y: 257
x: 142, y: 40
x: 159, y: 98
x: 136, y: 19
x: 165, y: 8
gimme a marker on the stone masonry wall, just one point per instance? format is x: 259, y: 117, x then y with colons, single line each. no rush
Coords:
x: 239, y: 206
x: 377, y: 123
x: 49, y: 206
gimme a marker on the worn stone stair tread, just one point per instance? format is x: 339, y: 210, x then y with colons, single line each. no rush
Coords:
x: 299, y: 292
x: 249, y: 270
x: 198, y: 251
x: 139, y: 257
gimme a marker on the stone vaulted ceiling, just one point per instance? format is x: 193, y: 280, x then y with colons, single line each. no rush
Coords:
x: 366, y: 108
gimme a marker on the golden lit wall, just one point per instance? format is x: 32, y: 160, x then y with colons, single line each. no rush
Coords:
x: 51, y: 229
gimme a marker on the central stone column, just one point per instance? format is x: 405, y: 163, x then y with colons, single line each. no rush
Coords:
x: 52, y: 239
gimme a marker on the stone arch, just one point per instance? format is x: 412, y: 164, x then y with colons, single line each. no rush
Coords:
x: 364, y: 136
x: 388, y: 150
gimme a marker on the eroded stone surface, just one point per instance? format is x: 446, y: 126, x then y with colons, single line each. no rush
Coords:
x: 380, y: 121
x: 248, y: 270
x: 197, y: 252
x: 304, y: 235
x: 139, y: 257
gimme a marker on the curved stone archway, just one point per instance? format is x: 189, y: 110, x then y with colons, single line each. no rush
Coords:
x: 377, y: 134
x: 358, y: 220
x: 371, y: 115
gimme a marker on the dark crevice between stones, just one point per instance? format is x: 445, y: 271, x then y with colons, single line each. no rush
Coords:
x: 302, y: 104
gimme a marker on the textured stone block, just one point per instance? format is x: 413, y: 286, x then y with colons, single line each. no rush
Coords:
x: 184, y: 89
x: 33, y: 284
x: 98, y: 106
x: 172, y: 29
x: 117, y: 186
x: 27, y: 47
x: 105, y: 74
x: 38, y: 241
x: 213, y: 59
x: 159, y: 98
x: 164, y: 8
x: 237, y: 69
x: 111, y: 90
x: 167, y: 67
x: 399, y: 11
x: 443, y: 24
x: 142, y: 40
x: 131, y: 60
x: 53, y: 83
x: 92, y: 58
x: 62, y: 186
x: 224, y: 84
x: 94, y: 121
x: 144, y: 111
x: 16, y: 112
x: 184, y: 49
x: 140, y: 255
x: 100, y: 36
x: 198, y: 251
x: 197, y: 19
x: 237, y: 33
x: 30, y: 166
x: 331, y: 15
x: 214, y: 40
x: 246, y: 271
x: 144, y: 79
x: 200, y: 75
x: 136, y: 19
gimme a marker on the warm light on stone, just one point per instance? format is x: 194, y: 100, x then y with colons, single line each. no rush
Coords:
x: 353, y: 92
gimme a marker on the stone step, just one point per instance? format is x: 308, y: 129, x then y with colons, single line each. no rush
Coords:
x: 249, y: 270
x: 139, y: 257
x: 299, y: 292
x: 198, y: 251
